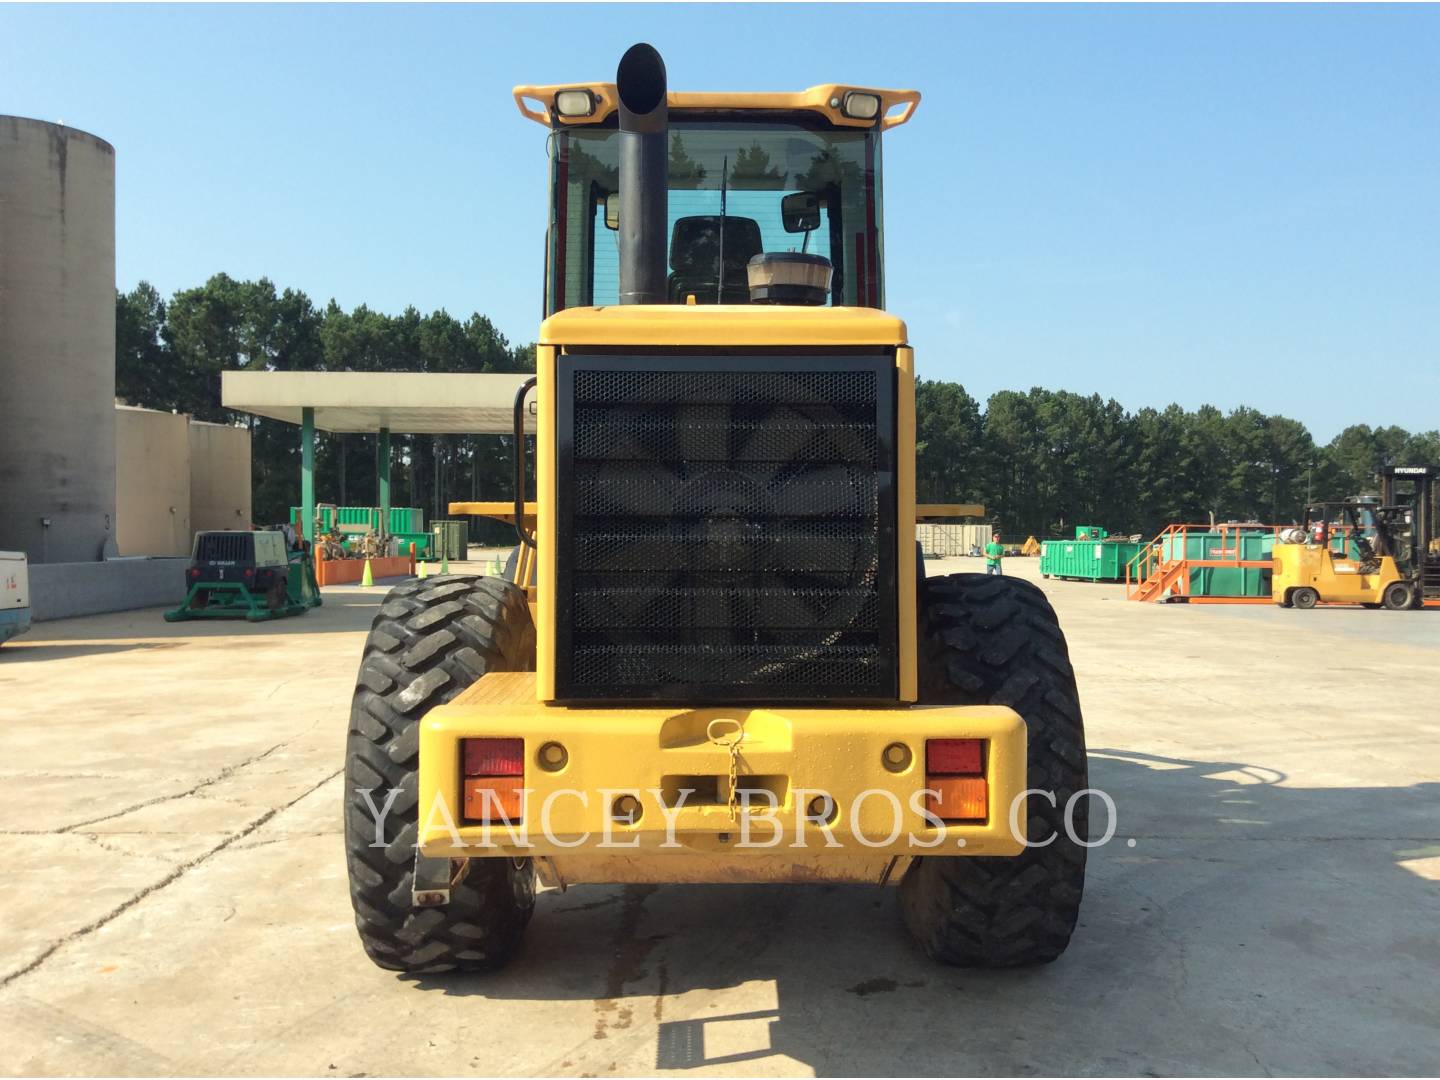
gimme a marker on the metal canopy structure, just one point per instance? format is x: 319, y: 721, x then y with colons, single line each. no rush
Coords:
x: 369, y: 402
x: 374, y: 403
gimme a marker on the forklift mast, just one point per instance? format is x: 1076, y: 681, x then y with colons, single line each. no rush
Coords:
x: 1410, y: 522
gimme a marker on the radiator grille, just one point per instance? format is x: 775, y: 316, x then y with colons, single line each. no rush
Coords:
x: 726, y: 528
x: 224, y: 547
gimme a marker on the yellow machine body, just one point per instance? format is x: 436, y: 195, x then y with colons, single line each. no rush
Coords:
x: 752, y: 770
x: 652, y: 751
x: 785, y: 757
x: 1337, y: 579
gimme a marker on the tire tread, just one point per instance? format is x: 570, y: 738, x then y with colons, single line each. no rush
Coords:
x: 431, y: 639
x: 996, y: 640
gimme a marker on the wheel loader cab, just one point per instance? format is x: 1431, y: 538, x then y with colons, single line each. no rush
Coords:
x: 732, y: 162
x: 735, y: 669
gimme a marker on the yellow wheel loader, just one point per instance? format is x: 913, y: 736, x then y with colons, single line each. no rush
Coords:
x: 717, y: 658
x: 1376, y: 552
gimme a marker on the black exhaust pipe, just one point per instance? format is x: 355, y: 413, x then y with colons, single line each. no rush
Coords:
x: 644, y: 176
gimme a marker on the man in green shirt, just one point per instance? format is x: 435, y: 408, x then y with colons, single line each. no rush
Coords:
x: 994, y: 552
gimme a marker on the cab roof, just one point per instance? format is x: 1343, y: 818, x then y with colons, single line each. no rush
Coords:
x: 538, y: 103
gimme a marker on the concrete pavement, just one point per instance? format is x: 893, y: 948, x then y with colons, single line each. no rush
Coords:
x: 174, y: 898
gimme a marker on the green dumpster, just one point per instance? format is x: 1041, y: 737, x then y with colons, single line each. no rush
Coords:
x: 418, y: 542
x: 1089, y: 557
x: 1253, y: 545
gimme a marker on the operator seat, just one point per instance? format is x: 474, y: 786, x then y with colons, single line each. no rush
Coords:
x: 695, y: 258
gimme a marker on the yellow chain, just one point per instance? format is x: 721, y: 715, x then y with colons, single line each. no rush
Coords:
x: 733, y: 745
x: 734, y: 778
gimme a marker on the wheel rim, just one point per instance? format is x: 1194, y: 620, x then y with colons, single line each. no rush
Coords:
x: 1397, y: 597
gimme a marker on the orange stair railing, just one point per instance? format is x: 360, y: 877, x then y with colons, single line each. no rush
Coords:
x: 1162, y: 570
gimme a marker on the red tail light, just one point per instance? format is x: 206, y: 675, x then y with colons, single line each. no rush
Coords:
x: 493, y: 757
x: 954, y: 757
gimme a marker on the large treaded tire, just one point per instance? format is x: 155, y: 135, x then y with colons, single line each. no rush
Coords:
x: 430, y: 640
x: 996, y: 641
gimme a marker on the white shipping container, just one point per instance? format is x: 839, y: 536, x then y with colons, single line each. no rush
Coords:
x: 945, y: 540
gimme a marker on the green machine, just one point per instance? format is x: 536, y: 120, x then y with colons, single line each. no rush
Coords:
x: 265, y: 574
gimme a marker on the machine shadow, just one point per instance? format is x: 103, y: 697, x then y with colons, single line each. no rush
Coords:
x: 853, y: 996
x: 146, y: 628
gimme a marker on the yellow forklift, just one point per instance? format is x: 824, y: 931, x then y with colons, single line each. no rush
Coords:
x: 1379, y: 553
x: 719, y: 659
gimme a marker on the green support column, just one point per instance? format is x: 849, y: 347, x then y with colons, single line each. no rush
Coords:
x: 307, y: 471
x: 382, y: 473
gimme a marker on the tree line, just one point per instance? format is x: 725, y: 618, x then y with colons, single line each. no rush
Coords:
x: 169, y: 355
x: 1042, y: 461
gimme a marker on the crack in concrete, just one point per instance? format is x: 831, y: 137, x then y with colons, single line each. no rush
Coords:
x: 288, y: 838
x: 223, y: 774
x: 174, y: 875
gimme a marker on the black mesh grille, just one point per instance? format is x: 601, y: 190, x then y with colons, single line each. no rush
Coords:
x: 224, y: 547
x: 726, y: 528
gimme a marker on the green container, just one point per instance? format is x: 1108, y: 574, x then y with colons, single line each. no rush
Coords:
x: 452, y: 538
x: 1087, y: 560
x: 357, y: 515
x: 326, y: 514
x: 406, y: 519
x: 403, y: 519
x: 1254, y: 545
x: 418, y: 541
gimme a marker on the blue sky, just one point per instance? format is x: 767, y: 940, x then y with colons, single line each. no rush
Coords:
x: 1211, y: 204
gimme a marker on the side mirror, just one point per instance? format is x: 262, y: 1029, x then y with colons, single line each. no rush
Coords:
x: 800, y: 212
x: 612, y: 210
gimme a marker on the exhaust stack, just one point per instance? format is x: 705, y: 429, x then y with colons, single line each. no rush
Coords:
x: 644, y: 176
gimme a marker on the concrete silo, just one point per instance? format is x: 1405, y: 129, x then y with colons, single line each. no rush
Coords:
x: 57, y: 341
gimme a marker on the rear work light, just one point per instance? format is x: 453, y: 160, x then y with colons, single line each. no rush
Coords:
x: 861, y: 106
x: 493, y: 774
x: 575, y: 103
x: 955, y: 776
